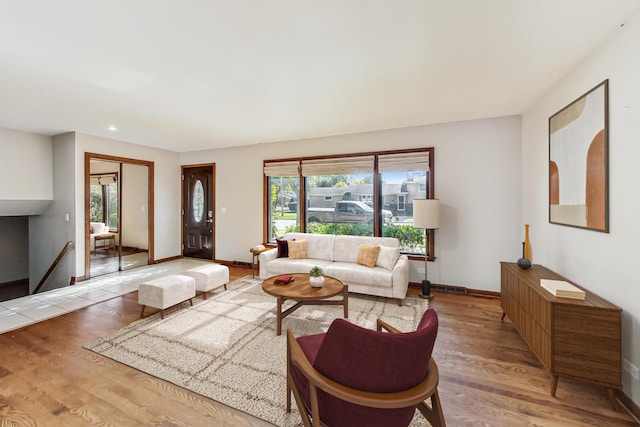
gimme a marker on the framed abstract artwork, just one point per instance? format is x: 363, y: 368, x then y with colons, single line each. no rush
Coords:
x: 578, y: 162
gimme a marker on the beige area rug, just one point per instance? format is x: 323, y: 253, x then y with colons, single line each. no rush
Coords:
x: 226, y: 347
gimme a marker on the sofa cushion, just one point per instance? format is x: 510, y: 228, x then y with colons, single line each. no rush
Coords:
x: 283, y: 248
x: 367, y: 255
x: 387, y: 257
x: 347, y: 247
x: 319, y: 246
x: 288, y: 266
x: 298, y: 249
x: 355, y: 273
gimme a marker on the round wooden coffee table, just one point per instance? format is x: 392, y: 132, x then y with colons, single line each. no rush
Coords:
x: 304, y: 294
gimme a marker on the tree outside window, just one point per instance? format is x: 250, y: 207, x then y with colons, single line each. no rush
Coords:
x: 103, y: 204
x: 283, y: 207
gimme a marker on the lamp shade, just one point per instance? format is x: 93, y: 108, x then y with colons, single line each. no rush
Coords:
x: 426, y: 213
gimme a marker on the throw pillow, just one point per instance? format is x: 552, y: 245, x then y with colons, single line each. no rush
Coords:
x: 298, y: 250
x: 283, y: 248
x: 387, y: 257
x: 367, y: 255
x: 91, y: 229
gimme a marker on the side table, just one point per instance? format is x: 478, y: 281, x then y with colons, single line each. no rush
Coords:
x: 255, y: 253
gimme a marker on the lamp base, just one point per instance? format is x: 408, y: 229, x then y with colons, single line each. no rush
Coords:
x: 426, y: 289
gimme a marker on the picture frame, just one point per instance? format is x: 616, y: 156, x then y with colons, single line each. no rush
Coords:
x: 579, y: 162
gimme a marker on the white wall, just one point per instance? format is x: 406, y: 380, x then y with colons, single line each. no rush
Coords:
x: 477, y: 179
x: 166, y: 191
x: 605, y: 263
x: 27, y: 171
x: 134, y: 200
x: 27, y: 165
x: 135, y: 206
x: 49, y: 232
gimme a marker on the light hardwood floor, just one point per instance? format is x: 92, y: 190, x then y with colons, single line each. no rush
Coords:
x: 488, y: 376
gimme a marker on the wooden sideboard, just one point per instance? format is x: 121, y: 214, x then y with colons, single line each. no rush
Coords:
x: 571, y: 338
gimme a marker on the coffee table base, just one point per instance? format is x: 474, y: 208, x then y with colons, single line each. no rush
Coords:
x: 344, y: 302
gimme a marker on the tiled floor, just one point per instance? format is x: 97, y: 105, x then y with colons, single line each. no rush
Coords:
x: 101, y: 266
x: 24, y: 311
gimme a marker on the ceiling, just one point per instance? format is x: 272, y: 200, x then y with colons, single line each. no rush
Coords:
x: 192, y: 75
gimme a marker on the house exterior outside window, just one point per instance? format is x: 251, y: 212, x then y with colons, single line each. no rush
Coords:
x: 368, y: 194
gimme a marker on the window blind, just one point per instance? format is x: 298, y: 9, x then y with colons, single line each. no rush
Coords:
x: 337, y: 166
x: 401, y: 162
x: 104, y: 179
x: 289, y: 168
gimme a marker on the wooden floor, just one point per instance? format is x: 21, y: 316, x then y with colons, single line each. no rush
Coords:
x: 488, y: 376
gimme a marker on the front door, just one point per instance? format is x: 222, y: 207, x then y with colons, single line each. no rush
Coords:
x: 197, y: 212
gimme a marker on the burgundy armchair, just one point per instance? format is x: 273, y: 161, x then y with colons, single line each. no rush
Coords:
x: 352, y: 376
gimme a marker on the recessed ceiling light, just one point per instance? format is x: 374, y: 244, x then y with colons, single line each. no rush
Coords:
x: 113, y: 128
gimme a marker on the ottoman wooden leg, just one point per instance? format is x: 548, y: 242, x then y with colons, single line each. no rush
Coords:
x: 142, y: 311
x: 162, y: 313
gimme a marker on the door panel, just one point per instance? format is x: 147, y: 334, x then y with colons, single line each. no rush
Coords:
x: 198, y: 212
x: 118, y: 193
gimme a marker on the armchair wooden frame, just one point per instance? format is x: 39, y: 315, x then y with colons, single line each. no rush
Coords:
x: 428, y: 388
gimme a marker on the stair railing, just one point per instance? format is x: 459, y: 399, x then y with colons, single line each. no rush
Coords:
x: 62, y: 253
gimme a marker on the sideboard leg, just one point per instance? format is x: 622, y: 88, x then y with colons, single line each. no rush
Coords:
x: 612, y: 396
x: 554, y: 385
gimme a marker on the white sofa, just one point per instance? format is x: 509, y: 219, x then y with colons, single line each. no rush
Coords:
x: 337, y: 256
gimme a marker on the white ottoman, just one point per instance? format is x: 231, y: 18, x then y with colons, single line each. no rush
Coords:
x: 209, y: 277
x: 166, y: 291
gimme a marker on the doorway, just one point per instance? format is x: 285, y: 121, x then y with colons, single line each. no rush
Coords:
x: 118, y: 214
x: 198, y: 235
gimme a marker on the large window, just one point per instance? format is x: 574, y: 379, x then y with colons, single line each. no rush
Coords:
x: 360, y: 194
x: 336, y: 192
x: 404, y: 178
x: 283, y: 183
x: 103, y: 203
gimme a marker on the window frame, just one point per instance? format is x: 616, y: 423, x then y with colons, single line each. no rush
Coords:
x: 402, y: 201
x: 104, y: 196
x: 377, y: 190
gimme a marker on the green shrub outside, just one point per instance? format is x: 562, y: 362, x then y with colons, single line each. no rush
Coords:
x: 410, y: 238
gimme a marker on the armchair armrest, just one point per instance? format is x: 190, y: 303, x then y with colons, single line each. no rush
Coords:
x: 381, y: 324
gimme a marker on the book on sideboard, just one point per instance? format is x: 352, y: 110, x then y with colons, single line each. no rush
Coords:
x: 562, y: 289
